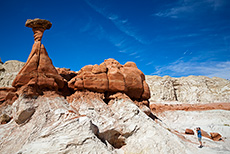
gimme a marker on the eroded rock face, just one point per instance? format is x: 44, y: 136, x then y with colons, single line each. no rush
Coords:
x: 66, y: 73
x: 112, y: 77
x: 191, y: 89
x: 8, y: 72
x: 38, y: 74
x: 54, y: 122
x: 7, y: 96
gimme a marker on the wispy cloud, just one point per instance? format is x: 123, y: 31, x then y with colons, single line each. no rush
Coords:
x: 132, y: 54
x: 185, y: 52
x: 185, y: 7
x: 122, y: 51
x: 122, y: 24
x: 185, y: 68
x: 177, y: 37
x: 149, y: 63
x: 120, y: 43
x: 87, y: 27
x: 175, y: 12
x: 126, y: 39
x: 141, y: 60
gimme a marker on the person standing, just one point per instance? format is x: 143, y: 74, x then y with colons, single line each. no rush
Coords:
x: 198, y: 130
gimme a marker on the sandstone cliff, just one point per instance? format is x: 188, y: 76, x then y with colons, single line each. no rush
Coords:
x: 191, y: 89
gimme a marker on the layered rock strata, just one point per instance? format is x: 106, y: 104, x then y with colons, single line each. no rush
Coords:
x: 191, y: 89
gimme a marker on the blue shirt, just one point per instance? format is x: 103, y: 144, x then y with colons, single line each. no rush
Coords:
x: 199, y: 133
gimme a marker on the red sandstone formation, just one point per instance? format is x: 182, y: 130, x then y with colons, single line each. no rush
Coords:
x: 7, y: 95
x: 38, y: 74
x: 66, y: 73
x: 189, y: 131
x: 189, y: 107
x: 205, y: 134
x: 111, y: 77
x: 85, y: 95
x: 215, y: 136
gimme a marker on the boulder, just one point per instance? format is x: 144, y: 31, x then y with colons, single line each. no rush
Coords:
x: 146, y: 93
x: 130, y: 64
x: 205, y: 134
x: 215, y: 136
x: 99, y: 68
x: 23, y: 110
x: 189, y: 131
x: 4, y: 118
x: 133, y: 82
x: 86, y: 69
x: 112, y: 63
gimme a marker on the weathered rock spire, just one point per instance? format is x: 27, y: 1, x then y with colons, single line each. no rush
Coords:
x: 38, y: 26
x: 38, y: 74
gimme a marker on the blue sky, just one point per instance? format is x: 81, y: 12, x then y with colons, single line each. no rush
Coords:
x: 163, y: 37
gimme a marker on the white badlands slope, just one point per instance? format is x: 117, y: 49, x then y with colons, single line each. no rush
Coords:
x: 56, y: 127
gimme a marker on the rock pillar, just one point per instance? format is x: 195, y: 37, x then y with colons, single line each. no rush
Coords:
x: 38, y: 74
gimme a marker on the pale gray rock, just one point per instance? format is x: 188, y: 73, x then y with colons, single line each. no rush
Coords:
x: 126, y: 129
x: 23, y: 109
x: 91, y: 126
x: 145, y: 135
x: 191, y: 89
x: 54, y: 128
x: 8, y: 72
